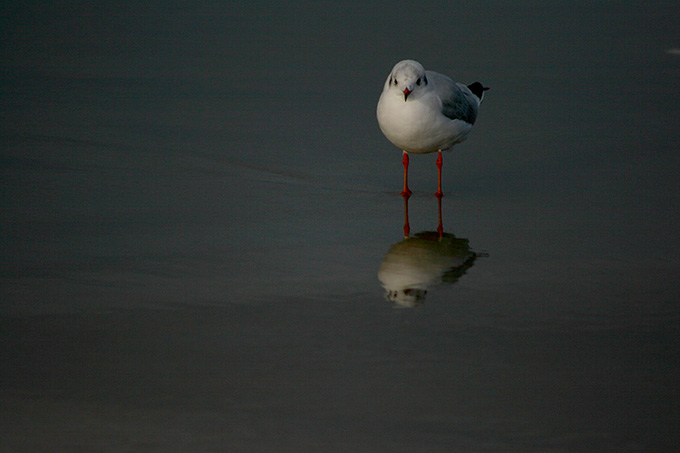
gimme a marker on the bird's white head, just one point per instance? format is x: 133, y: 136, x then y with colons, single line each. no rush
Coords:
x: 407, y: 76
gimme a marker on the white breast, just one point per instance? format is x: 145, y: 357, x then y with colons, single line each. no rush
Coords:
x: 415, y: 126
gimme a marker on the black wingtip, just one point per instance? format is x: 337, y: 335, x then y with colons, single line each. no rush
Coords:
x: 478, y: 89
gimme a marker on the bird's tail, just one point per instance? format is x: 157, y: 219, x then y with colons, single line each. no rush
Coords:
x: 478, y: 90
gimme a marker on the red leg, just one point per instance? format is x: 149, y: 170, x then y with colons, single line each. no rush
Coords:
x: 406, y: 192
x: 440, y: 163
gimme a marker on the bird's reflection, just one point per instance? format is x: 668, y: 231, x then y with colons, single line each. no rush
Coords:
x: 422, y: 261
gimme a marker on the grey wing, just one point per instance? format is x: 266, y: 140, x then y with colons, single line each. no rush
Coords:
x: 458, y: 102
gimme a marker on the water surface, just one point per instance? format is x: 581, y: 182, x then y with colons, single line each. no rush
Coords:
x: 197, y: 201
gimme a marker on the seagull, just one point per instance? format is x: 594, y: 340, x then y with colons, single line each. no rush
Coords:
x: 423, y: 111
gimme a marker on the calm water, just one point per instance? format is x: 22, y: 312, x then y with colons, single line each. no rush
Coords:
x: 201, y: 222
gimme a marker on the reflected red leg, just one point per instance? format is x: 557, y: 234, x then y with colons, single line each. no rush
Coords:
x: 407, y: 226
x: 440, y: 227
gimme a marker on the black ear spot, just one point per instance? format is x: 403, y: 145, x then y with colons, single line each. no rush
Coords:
x: 425, y: 80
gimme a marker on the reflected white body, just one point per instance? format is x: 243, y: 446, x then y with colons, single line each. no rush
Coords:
x: 411, y: 267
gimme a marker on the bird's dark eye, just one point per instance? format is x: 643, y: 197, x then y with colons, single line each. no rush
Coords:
x: 395, y: 81
x: 418, y: 81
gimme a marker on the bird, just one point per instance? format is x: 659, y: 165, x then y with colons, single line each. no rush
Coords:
x: 423, y: 111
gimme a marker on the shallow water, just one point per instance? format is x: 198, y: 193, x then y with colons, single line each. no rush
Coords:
x: 197, y: 203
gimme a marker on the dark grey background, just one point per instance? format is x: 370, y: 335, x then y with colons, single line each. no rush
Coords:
x: 196, y: 199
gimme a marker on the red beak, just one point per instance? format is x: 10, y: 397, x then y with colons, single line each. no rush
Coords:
x: 406, y: 93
